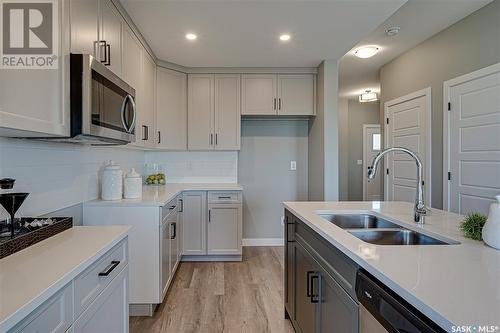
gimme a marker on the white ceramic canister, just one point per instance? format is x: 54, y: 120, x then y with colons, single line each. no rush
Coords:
x: 112, y: 182
x: 491, y: 230
x: 132, y: 188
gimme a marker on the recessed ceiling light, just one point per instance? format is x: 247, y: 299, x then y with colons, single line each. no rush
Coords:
x: 366, y: 51
x: 191, y: 36
x: 285, y: 37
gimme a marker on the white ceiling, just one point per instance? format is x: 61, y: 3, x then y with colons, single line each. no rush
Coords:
x: 419, y: 20
x: 245, y: 33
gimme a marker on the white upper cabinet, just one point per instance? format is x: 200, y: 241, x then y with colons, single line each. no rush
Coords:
x: 148, y: 99
x: 35, y: 102
x: 171, y: 109
x: 258, y: 94
x: 85, y: 27
x: 283, y: 94
x: 296, y: 95
x: 201, y: 112
x: 111, y: 37
x: 227, y: 112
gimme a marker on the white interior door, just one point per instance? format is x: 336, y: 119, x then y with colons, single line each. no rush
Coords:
x: 408, y: 125
x: 472, y: 131
x: 372, y: 144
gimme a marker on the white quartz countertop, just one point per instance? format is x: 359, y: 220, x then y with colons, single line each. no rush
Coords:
x: 161, y: 195
x: 451, y: 284
x: 31, y: 276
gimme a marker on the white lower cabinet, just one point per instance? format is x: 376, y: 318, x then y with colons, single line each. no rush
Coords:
x: 109, y: 312
x: 212, y: 224
x: 95, y: 301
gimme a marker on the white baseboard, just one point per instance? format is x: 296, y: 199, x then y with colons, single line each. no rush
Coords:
x: 263, y: 241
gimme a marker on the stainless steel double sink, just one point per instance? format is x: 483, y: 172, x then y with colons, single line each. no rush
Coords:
x: 376, y: 230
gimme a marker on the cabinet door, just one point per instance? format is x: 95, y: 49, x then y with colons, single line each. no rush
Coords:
x: 171, y: 109
x: 305, y: 310
x: 224, y: 229
x: 227, y: 112
x: 194, y: 223
x: 289, y: 266
x: 173, y: 243
x: 111, y: 33
x: 109, y: 311
x: 296, y: 94
x: 338, y: 311
x: 165, y: 258
x: 36, y: 102
x: 85, y: 27
x: 258, y: 94
x: 200, y: 112
x: 148, y: 93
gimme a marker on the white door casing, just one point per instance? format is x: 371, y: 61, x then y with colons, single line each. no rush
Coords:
x: 471, y: 136
x: 408, y: 124
x: 372, y: 190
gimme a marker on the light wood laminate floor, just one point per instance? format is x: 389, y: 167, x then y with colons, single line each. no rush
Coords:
x: 218, y: 297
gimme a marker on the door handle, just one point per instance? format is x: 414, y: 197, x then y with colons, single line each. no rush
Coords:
x: 110, y: 268
x: 126, y: 100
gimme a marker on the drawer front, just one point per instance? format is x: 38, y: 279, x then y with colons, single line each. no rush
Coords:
x: 54, y: 316
x: 337, y: 264
x: 94, y: 279
x: 224, y: 197
x: 170, y: 207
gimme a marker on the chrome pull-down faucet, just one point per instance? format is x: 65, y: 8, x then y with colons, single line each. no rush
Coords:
x: 419, y: 209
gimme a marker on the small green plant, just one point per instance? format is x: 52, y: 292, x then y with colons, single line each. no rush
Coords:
x: 472, y: 225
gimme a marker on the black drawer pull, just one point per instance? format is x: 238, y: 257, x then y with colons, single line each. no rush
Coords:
x: 110, y: 268
x: 224, y: 197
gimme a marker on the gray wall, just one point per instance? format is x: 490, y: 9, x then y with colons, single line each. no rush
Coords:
x: 267, y: 147
x: 358, y: 115
x: 343, y: 149
x: 466, y: 46
x: 324, y: 136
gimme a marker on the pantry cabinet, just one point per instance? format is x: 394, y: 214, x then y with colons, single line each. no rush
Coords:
x: 171, y: 109
x: 213, y: 112
x: 278, y: 94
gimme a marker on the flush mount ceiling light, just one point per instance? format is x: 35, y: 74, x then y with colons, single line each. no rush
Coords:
x: 191, y: 36
x: 392, y: 31
x: 366, y: 51
x: 368, y: 96
x: 285, y: 37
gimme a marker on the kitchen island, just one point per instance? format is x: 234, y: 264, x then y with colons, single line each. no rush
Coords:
x: 454, y: 284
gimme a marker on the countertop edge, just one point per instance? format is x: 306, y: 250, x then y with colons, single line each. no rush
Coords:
x: 25, y: 310
x: 418, y: 304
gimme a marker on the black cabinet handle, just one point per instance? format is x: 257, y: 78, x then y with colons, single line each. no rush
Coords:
x: 309, y: 273
x: 173, y: 234
x: 159, y: 137
x: 108, y: 51
x: 311, y: 277
x: 275, y: 104
x: 102, y: 44
x: 211, y: 139
x: 145, y: 133
x: 209, y: 215
x: 172, y: 207
x: 216, y: 139
x: 224, y: 197
x: 110, y: 268
x: 181, y: 205
x: 279, y: 103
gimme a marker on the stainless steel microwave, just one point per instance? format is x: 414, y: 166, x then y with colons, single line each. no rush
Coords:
x: 103, y: 109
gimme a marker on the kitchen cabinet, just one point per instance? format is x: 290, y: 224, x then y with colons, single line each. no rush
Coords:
x: 278, y: 94
x: 194, y: 223
x: 224, y: 229
x: 85, y: 27
x: 146, y: 103
x: 35, y: 102
x: 108, y: 312
x: 213, y: 111
x: 212, y: 225
x: 94, y: 301
x: 319, y: 282
x: 171, y: 109
x: 110, y: 41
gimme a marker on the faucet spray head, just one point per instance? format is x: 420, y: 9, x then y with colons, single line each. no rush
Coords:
x: 371, y: 173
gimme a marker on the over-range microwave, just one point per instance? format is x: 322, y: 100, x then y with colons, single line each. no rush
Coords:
x: 103, y: 109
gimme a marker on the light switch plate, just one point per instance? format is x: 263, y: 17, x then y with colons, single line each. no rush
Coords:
x: 293, y: 165
x: 360, y: 162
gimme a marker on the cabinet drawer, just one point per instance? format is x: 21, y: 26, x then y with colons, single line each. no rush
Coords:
x: 94, y: 279
x: 55, y: 315
x: 224, y: 197
x: 169, y: 208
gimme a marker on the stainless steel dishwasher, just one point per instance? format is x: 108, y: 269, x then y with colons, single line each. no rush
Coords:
x: 381, y: 310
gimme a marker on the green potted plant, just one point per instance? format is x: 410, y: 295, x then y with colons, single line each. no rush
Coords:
x: 472, y: 225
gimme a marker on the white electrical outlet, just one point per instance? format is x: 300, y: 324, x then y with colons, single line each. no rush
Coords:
x: 293, y: 165
x: 360, y: 162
